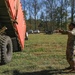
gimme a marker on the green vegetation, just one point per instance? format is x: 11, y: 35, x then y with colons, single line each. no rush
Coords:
x: 48, y: 14
x: 43, y: 55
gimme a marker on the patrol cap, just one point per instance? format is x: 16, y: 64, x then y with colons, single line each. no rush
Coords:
x: 72, y: 23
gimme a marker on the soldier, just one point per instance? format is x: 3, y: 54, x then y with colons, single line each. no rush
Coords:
x: 70, y: 52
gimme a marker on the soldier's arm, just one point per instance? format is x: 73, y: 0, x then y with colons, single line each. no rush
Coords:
x: 64, y: 31
x: 67, y: 32
x: 72, y: 32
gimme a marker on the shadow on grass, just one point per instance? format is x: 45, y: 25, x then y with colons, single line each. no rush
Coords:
x: 50, y: 71
x: 44, y: 72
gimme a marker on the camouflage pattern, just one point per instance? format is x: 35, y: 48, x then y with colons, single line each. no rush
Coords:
x: 70, y: 51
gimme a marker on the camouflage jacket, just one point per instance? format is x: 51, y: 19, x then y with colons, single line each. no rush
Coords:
x: 71, y: 39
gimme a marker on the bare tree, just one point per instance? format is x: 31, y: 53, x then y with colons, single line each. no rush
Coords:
x: 36, y: 8
x: 50, y: 6
x: 72, y: 10
x: 54, y: 13
x: 29, y: 8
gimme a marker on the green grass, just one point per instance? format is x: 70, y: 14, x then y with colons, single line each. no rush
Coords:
x: 43, y: 55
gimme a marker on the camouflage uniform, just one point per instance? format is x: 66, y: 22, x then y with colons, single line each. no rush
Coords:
x: 70, y: 52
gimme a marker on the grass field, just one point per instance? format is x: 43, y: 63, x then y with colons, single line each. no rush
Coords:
x: 43, y: 55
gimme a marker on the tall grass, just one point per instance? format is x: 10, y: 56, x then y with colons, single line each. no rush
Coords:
x: 43, y: 55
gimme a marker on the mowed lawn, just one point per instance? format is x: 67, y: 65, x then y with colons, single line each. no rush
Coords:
x: 43, y: 55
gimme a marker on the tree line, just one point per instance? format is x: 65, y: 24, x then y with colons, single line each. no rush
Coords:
x: 48, y: 14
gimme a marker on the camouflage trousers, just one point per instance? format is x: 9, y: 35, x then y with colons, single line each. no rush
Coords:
x: 70, y: 56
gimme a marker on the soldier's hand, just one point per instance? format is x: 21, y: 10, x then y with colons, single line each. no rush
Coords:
x: 56, y: 31
x: 61, y: 31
